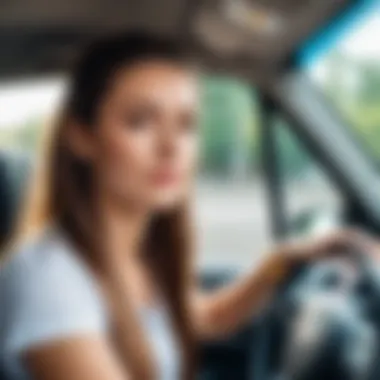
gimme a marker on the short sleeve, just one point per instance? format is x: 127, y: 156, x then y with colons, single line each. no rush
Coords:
x: 46, y: 296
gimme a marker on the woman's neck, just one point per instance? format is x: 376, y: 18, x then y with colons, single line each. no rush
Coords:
x: 123, y: 229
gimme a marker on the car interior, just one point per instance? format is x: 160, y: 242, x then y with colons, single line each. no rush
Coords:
x: 265, y: 45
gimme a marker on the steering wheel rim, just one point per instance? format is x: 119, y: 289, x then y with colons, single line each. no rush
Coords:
x: 263, y: 360
x: 260, y: 367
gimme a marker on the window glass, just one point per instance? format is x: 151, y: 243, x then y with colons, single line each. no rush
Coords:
x: 312, y: 203
x: 26, y: 108
x: 232, y: 211
x: 349, y: 76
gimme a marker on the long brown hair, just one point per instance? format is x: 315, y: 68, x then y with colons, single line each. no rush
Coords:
x: 64, y: 189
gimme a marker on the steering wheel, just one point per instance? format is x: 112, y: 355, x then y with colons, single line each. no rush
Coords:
x: 323, y: 322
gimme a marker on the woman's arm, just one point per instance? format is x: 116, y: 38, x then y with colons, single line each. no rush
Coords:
x: 74, y: 358
x: 221, y: 312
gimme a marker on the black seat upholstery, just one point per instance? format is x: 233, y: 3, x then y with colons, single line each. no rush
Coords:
x: 14, y: 169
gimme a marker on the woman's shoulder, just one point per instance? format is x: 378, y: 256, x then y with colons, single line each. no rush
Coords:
x: 46, y: 291
x: 47, y: 263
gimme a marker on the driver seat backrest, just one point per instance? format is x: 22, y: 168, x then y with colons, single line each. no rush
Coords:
x: 14, y: 169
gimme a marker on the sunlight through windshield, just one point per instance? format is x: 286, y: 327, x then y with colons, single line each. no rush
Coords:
x: 349, y: 76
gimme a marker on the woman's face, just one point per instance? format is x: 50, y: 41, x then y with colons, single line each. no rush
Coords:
x: 145, y: 142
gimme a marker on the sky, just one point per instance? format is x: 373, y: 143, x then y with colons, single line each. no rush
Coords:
x: 364, y: 41
x: 23, y: 101
x: 360, y: 42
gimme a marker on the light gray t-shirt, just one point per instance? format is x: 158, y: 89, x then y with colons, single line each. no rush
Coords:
x: 47, y: 293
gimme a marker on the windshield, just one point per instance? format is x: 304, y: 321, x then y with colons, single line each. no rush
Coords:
x: 348, y: 74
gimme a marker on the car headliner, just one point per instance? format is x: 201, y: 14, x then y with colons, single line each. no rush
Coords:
x: 39, y: 37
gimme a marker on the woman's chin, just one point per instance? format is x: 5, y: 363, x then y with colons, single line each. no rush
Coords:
x: 167, y: 203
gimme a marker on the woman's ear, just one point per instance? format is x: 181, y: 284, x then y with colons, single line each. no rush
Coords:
x: 80, y: 141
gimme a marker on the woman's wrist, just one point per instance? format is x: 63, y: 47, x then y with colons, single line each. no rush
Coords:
x: 286, y: 257
x: 277, y: 267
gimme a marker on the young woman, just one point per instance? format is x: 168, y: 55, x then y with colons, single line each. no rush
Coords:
x: 102, y: 287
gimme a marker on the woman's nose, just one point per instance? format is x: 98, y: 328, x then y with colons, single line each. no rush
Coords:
x: 169, y: 143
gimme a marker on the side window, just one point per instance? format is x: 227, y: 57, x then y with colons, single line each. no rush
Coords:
x: 25, y: 109
x: 312, y: 203
x: 231, y: 205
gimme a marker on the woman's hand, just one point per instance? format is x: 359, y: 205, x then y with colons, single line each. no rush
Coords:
x: 351, y: 243
x: 339, y: 243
